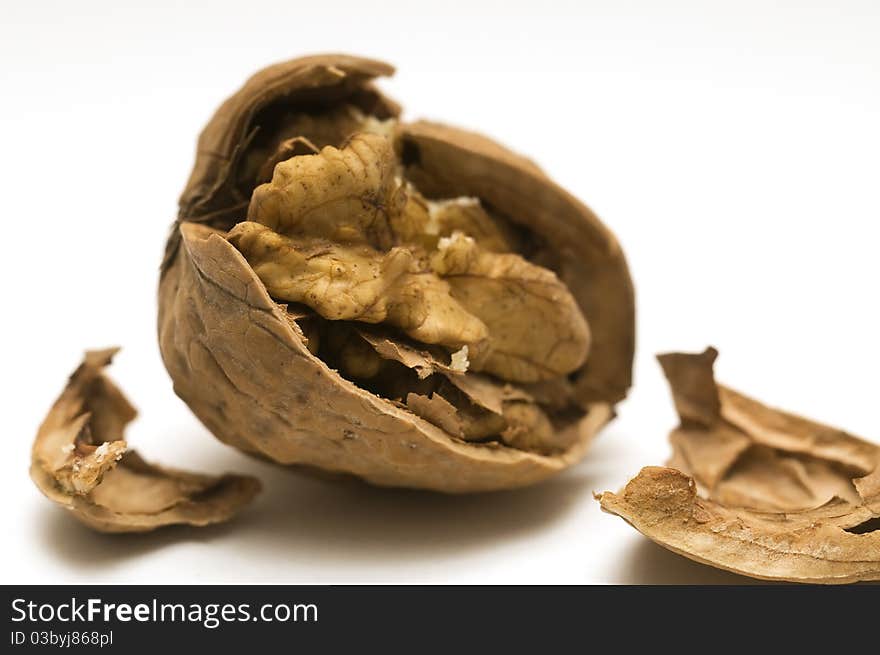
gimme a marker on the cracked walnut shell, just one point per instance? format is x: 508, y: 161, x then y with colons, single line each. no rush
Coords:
x: 407, y: 303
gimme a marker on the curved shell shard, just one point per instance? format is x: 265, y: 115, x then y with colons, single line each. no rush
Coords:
x: 756, y: 490
x: 80, y: 461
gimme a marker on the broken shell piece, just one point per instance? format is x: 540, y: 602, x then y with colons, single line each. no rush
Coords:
x: 755, y: 490
x: 79, y: 460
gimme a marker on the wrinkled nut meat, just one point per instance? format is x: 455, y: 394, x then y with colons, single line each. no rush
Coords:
x: 80, y: 461
x: 755, y: 490
x: 407, y: 303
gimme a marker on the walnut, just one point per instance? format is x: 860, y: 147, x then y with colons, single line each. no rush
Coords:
x: 407, y: 303
x: 756, y: 490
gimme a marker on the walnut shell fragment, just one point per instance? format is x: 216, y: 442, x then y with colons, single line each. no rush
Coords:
x: 410, y: 304
x: 80, y: 460
x: 755, y: 490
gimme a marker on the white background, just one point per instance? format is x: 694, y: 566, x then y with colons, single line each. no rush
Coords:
x: 733, y: 147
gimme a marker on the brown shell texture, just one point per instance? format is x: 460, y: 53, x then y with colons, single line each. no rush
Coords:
x: 81, y: 462
x: 347, y: 292
x: 756, y: 490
